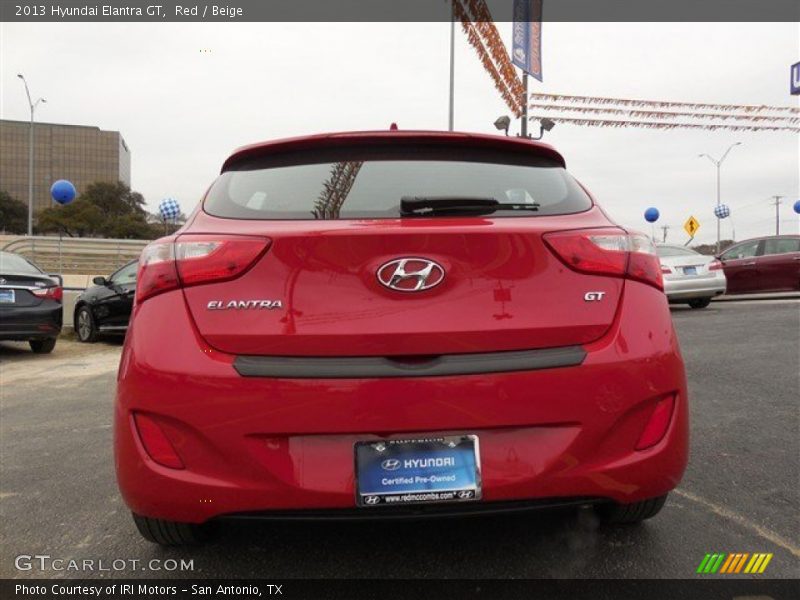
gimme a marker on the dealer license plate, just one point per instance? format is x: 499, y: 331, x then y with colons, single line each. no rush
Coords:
x: 442, y: 469
x: 6, y: 296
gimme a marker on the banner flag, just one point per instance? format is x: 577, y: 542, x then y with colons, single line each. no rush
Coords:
x: 527, y: 40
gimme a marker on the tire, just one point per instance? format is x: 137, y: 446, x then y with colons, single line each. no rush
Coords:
x: 699, y: 302
x: 626, y: 514
x: 85, y: 327
x: 44, y: 346
x: 169, y: 533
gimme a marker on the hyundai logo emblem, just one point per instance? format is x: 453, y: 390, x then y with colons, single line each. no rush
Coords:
x: 390, y: 464
x: 371, y: 499
x: 410, y: 274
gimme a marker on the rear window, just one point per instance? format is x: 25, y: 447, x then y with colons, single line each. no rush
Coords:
x: 13, y: 263
x: 666, y: 251
x: 361, y: 184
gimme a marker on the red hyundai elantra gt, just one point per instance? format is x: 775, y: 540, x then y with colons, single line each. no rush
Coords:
x: 394, y: 324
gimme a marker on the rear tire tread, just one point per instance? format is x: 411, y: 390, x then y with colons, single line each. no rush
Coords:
x: 619, y: 514
x: 44, y: 346
x: 169, y: 533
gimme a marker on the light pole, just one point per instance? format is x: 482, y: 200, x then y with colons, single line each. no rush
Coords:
x: 718, y: 164
x: 451, y: 107
x: 32, y: 106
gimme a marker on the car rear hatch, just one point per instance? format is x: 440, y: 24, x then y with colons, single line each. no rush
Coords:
x: 331, y: 234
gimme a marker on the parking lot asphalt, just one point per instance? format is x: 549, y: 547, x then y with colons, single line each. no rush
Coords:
x: 58, y: 496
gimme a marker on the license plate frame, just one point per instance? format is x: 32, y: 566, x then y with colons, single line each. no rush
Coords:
x: 447, y: 470
x: 690, y: 270
x: 7, y: 296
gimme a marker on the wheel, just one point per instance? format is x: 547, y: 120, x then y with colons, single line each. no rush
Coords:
x: 619, y: 514
x: 44, y: 346
x: 699, y: 302
x: 85, y: 328
x: 169, y: 533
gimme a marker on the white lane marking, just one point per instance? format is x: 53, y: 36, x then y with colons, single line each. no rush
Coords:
x: 740, y: 520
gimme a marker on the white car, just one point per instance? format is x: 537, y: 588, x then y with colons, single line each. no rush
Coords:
x: 690, y: 277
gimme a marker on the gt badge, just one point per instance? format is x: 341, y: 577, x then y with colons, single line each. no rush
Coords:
x: 593, y: 296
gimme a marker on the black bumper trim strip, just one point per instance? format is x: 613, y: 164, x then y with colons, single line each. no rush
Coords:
x: 323, y: 367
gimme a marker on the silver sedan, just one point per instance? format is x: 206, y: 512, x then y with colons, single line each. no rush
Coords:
x: 689, y: 276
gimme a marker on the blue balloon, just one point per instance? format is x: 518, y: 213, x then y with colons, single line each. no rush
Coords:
x: 797, y: 207
x: 651, y: 215
x: 63, y: 191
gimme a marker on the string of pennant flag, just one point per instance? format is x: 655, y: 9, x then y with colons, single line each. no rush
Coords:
x: 666, y: 124
x: 722, y: 116
x: 482, y: 34
x: 663, y: 103
x: 735, y: 117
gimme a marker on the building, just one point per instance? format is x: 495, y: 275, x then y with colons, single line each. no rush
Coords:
x: 79, y: 154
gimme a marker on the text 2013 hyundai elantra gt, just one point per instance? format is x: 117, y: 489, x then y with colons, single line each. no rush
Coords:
x: 397, y: 323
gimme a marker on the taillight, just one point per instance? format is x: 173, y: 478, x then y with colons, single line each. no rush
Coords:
x: 194, y: 259
x: 665, y: 269
x: 53, y: 293
x: 715, y: 265
x: 611, y: 252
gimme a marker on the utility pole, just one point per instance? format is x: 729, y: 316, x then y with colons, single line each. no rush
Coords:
x: 451, y: 118
x: 524, y: 130
x: 777, y: 214
x: 664, y: 228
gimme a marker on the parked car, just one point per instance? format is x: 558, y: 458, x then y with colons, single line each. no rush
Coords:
x: 105, y: 307
x: 767, y: 264
x: 396, y: 323
x: 30, y: 303
x: 690, y: 277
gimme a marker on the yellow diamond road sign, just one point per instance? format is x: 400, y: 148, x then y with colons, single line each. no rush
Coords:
x: 691, y: 226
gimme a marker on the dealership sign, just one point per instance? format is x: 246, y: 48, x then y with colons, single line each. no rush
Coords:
x: 794, y: 85
x: 526, y: 51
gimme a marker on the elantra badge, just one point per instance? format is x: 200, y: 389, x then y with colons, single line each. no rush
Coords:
x: 244, y: 304
x: 411, y: 274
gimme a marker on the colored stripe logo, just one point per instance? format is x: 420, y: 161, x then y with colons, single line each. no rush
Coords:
x: 736, y: 562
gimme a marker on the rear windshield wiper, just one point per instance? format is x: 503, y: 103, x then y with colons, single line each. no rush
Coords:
x: 448, y: 205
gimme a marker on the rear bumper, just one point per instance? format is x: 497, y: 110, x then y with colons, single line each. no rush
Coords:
x: 260, y: 446
x: 695, y: 287
x: 31, y: 322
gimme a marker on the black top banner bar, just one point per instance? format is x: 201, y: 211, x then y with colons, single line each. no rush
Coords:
x: 391, y: 10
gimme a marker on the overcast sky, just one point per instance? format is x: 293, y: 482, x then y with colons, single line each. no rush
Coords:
x: 181, y: 111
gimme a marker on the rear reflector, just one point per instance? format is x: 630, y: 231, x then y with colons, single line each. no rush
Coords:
x: 53, y: 293
x: 611, y: 252
x: 195, y: 259
x: 155, y: 442
x: 657, y: 425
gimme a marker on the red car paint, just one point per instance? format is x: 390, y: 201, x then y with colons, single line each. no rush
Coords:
x: 613, y: 427
x: 768, y: 264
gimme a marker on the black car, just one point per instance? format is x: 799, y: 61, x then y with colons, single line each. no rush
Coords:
x: 106, y: 306
x: 30, y: 303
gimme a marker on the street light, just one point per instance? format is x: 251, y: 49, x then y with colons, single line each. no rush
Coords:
x: 718, y: 164
x: 32, y: 106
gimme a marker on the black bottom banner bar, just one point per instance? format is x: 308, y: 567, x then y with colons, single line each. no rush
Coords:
x: 578, y: 589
